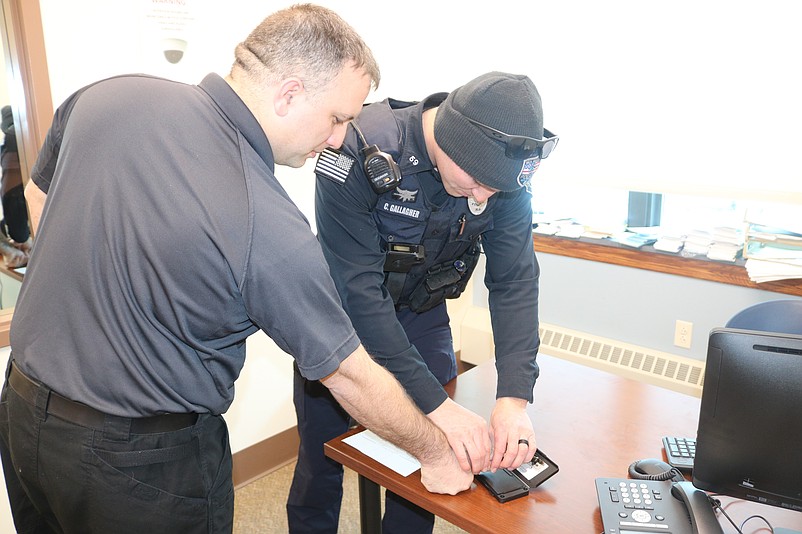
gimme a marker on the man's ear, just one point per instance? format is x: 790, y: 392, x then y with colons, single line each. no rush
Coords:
x: 289, y: 89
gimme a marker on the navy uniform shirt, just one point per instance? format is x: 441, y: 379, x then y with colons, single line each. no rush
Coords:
x: 352, y: 223
x: 164, y: 242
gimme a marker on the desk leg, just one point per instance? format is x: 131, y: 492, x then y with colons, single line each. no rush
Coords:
x: 369, y: 506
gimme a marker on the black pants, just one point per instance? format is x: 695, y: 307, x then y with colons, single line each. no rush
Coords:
x: 15, y: 215
x: 66, y: 478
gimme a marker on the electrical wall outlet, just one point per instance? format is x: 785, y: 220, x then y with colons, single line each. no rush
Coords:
x: 682, y: 334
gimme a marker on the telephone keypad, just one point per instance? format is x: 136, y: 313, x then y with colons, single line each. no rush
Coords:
x: 635, y: 495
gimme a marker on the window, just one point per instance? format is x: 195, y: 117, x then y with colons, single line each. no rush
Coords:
x: 606, y: 209
x: 595, y: 207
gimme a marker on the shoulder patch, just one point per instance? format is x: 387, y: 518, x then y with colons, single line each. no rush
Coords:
x: 334, y: 165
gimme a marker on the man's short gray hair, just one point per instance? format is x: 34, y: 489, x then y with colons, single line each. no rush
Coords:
x: 307, y: 41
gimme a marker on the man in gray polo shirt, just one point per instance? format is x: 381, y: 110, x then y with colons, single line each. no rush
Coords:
x: 165, y: 241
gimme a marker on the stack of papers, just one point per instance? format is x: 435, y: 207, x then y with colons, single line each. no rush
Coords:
x: 634, y: 239
x: 546, y: 228
x: 602, y: 230
x: 597, y: 233
x: 724, y: 251
x: 770, y: 271
x: 574, y: 231
x: 697, y: 243
x: 725, y: 234
x: 773, y: 244
x: 727, y: 244
x: 560, y: 229
x: 670, y: 243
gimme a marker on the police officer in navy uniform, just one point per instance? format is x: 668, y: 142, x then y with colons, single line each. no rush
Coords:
x: 417, y: 191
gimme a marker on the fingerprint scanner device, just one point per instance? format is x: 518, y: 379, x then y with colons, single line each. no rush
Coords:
x: 508, y: 484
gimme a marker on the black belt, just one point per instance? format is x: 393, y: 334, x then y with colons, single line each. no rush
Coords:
x: 86, y: 416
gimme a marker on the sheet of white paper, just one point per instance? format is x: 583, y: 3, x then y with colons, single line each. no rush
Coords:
x: 384, y: 452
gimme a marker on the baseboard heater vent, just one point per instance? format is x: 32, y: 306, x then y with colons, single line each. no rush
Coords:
x: 660, y: 368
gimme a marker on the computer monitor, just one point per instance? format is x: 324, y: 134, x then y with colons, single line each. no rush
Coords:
x: 749, y: 438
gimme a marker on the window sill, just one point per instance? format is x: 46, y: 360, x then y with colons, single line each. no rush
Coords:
x: 662, y: 262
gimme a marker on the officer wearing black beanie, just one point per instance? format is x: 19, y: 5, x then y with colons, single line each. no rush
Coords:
x: 404, y: 209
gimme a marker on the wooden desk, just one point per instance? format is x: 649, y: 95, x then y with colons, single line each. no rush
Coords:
x: 590, y: 422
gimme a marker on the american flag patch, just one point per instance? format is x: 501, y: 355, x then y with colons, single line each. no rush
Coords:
x: 334, y: 165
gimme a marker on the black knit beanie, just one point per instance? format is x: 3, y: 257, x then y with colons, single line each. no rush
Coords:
x: 507, y: 102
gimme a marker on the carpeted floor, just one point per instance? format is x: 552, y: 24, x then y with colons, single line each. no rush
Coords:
x: 259, y: 506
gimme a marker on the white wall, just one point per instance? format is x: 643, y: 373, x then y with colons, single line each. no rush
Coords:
x: 262, y: 404
x: 9, y: 290
x: 638, y: 306
x: 678, y: 94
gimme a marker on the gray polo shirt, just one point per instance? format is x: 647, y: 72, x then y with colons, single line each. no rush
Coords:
x: 166, y: 241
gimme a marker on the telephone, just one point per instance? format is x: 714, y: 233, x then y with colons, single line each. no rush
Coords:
x: 656, y: 496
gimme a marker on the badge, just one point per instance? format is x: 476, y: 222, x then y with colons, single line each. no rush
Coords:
x: 476, y: 207
x: 405, y: 195
x: 527, y: 170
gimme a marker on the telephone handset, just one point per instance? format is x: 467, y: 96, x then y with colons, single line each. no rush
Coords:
x: 642, y: 503
x: 700, y: 510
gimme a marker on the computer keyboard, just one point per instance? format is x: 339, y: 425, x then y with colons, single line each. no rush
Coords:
x: 680, y: 451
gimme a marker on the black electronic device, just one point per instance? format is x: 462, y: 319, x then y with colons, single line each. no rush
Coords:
x: 508, y: 484
x: 503, y: 484
x: 680, y: 451
x: 640, y: 506
x: 750, y: 422
x: 380, y: 167
x: 655, y: 498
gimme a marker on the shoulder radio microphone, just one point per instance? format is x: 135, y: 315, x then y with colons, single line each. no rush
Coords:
x: 383, y: 172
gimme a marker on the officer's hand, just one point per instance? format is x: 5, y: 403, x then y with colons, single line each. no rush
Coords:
x: 445, y: 475
x: 467, y: 433
x: 510, y: 423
